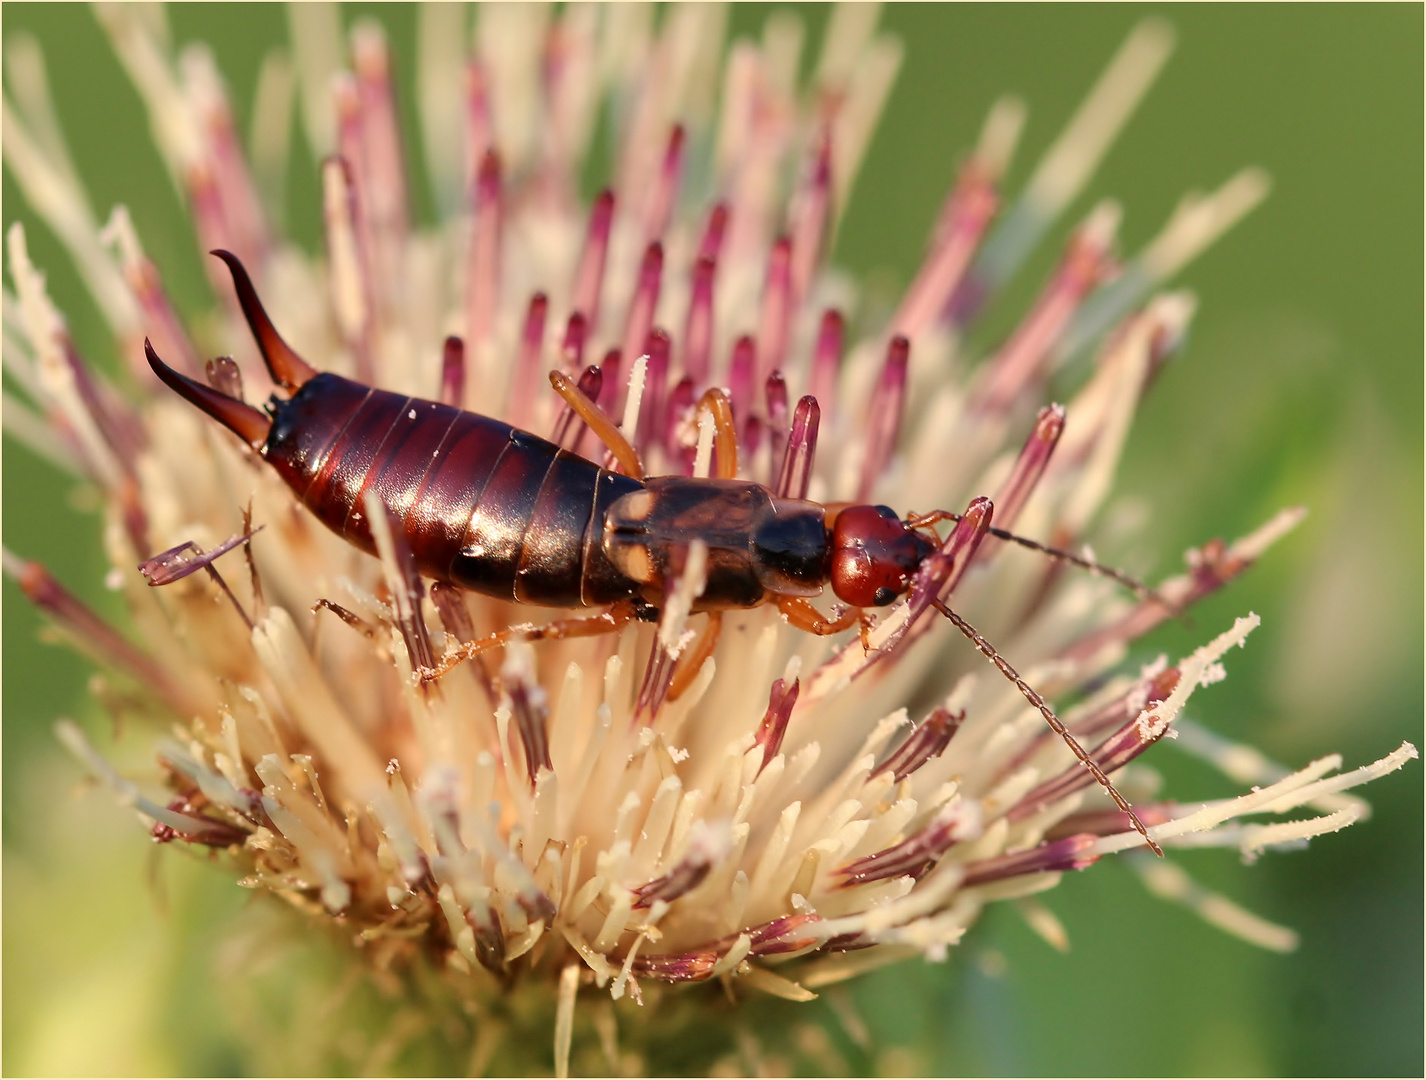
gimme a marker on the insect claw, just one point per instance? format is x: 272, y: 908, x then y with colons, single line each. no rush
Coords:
x: 247, y: 423
x: 287, y: 369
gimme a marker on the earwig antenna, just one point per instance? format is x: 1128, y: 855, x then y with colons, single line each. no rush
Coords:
x: 1034, y: 698
x: 1133, y: 584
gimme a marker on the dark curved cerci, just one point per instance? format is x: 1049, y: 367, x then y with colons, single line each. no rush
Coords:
x: 481, y: 504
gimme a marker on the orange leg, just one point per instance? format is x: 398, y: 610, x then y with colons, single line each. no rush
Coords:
x: 691, y: 663
x: 616, y: 618
x: 804, y: 616
x: 604, y: 428
x: 725, y: 435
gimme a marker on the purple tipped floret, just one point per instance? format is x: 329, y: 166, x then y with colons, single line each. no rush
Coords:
x: 453, y: 371
x: 407, y: 601
x: 383, y: 162
x: 799, y: 458
x: 827, y: 360
x: 610, y: 383
x: 811, y: 222
x: 780, y: 700
x: 884, y: 417
x: 178, y: 562
x: 345, y: 218
x: 776, y: 418
x: 640, y: 319
x: 589, y: 277
x: 1111, y: 822
x: 776, y: 308
x: 680, y: 405
x: 713, y: 233
x: 1212, y: 566
x: 530, y: 363
x: 483, y: 265
x: 118, y: 425
x: 741, y: 372
x: 752, y: 436
x: 785, y: 934
x: 1030, y: 465
x: 1021, y: 361
x: 478, y: 128
x: 449, y: 602
x: 1143, y: 694
x: 1122, y: 747
x: 925, y: 741
x: 1071, y: 853
x: 652, y: 413
x: 186, y: 558
x: 698, y: 329
x: 165, y: 327
x: 223, y: 164
x: 969, y: 209
x: 572, y: 347
x: 95, y: 635
x: 686, y: 876
x: 916, y: 854
x: 664, y: 194
x: 184, y: 821
x: 530, y: 714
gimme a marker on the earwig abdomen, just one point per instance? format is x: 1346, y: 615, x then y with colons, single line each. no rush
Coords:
x: 481, y: 504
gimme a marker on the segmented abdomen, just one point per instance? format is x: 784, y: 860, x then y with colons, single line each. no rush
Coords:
x: 481, y: 504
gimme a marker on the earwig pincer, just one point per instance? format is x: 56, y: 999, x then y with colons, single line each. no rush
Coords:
x: 488, y: 507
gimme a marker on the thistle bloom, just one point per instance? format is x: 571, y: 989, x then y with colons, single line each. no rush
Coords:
x: 670, y: 803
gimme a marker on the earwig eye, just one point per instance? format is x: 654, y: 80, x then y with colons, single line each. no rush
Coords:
x: 883, y: 597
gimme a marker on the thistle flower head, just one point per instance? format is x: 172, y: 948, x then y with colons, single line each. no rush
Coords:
x: 701, y: 795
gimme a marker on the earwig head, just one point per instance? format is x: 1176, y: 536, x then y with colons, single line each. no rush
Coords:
x: 874, y: 555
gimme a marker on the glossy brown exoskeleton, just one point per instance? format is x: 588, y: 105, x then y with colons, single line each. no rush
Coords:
x: 487, y: 507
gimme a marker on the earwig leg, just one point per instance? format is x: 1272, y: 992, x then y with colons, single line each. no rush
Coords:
x: 1057, y: 725
x: 1134, y: 585
x: 802, y: 615
x: 455, y: 618
x: 351, y: 618
x: 599, y: 423
x: 590, y: 383
x: 607, y: 622
x: 693, y: 659
x: 725, y: 433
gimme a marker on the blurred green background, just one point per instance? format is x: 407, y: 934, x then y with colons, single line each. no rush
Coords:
x: 1301, y: 384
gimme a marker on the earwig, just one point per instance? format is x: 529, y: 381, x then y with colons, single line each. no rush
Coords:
x: 487, y: 507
